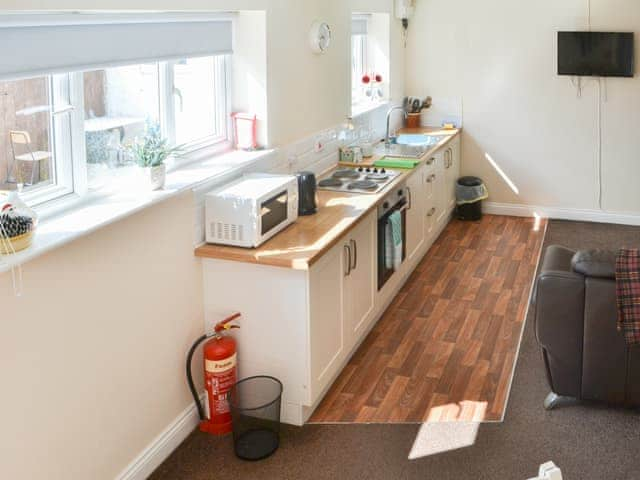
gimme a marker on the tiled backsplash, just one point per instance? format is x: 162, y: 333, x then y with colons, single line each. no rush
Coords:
x: 296, y: 157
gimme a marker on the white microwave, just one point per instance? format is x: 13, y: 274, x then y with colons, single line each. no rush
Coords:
x: 251, y: 210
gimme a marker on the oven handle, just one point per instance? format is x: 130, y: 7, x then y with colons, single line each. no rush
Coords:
x: 401, y: 206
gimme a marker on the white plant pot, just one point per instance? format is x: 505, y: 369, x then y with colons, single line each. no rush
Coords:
x: 152, y: 178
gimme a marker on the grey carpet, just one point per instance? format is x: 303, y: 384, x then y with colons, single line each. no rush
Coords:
x: 586, y: 441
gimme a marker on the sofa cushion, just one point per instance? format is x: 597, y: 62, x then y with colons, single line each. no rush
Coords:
x: 595, y: 263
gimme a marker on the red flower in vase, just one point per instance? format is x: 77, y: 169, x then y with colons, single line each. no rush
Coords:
x: 366, y: 79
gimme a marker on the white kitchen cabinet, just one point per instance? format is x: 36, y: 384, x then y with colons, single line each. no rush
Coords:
x: 416, y: 211
x: 360, y: 281
x: 301, y: 325
x: 326, y: 314
x: 341, y: 301
x: 452, y: 171
x: 441, y: 189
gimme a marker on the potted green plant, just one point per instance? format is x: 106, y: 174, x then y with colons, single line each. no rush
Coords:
x: 149, y: 153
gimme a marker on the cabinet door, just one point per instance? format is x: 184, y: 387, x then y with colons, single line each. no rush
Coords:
x: 430, y: 223
x: 415, y: 212
x: 456, y: 156
x: 429, y: 181
x: 440, y: 187
x: 452, y: 166
x: 326, y: 306
x: 360, y: 284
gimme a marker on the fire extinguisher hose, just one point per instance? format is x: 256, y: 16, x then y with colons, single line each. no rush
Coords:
x: 192, y: 387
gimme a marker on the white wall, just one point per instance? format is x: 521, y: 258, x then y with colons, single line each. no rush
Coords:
x: 92, y: 356
x: 498, y: 59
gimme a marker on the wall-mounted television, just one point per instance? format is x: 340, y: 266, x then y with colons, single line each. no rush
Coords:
x: 598, y: 54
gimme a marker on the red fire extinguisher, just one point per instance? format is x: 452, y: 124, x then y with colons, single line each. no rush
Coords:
x: 220, y: 359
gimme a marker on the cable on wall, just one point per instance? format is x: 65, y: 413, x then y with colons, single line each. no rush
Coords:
x: 602, y: 97
x: 601, y: 89
x: 577, y: 84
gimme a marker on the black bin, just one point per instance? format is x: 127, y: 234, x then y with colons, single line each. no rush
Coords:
x: 470, y: 191
x: 255, y: 412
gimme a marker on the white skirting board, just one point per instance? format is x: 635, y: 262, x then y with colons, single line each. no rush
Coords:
x: 162, y: 446
x: 583, y: 215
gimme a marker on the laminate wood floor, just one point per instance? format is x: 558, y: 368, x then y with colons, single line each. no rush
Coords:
x: 445, y: 348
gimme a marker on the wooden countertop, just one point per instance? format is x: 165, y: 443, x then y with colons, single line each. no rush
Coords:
x: 304, y: 242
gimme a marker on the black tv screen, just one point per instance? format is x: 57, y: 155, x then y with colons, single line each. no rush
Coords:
x: 599, y: 54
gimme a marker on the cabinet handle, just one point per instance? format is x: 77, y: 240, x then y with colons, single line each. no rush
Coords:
x: 347, y: 251
x: 354, y: 244
x: 410, y: 198
x: 431, y: 160
x: 431, y: 212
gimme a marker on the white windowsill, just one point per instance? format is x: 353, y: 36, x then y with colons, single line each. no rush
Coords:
x: 83, y: 216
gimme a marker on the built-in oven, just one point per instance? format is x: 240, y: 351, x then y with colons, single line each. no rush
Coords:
x: 390, y: 253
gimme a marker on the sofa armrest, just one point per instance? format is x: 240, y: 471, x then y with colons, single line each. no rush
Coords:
x: 556, y: 262
x: 595, y: 263
x: 559, y: 319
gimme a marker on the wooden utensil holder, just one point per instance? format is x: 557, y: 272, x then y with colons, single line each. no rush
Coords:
x: 413, y: 120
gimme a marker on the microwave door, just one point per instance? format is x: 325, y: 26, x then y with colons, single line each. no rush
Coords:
x: 273, y: 213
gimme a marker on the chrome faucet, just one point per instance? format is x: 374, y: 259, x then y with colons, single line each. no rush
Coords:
x: 387, y: 140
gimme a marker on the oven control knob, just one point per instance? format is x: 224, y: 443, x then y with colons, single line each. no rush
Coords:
x: 375, y: 170
x: 368, y: 170
x: 385, y: 205
x: 400, y: 193
x: 382, y: 170
x: 360, y: 169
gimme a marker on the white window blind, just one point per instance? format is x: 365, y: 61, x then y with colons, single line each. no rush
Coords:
x: 35, y: 44
x: 359, y: 24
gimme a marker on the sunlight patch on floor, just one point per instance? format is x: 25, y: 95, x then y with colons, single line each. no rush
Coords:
x: 440, y: 437
x: 448, y: 427
x: 536, y: 222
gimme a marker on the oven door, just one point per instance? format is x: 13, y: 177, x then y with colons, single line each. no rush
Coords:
x: 385, y: 271
x: 274, y: 214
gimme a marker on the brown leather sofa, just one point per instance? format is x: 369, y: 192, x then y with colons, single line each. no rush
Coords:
x: 586, y: 358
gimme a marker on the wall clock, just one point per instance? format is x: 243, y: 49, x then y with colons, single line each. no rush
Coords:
x: 320, y: 37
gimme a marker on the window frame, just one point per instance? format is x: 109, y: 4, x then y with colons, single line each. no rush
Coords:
x: 167, y: 106
x: 68, y: 141
x: 363, y: 41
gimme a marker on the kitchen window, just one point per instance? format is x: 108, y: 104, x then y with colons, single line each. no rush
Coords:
x: 65, y: 130
x: 370, y: 67
x: 359, y: 44
x: 35, y: 137
x: 199, y: 101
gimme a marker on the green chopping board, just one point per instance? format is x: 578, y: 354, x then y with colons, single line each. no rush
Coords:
x: 396, y: 162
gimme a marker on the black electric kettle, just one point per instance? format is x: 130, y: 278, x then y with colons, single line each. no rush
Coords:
x: 307, y: 203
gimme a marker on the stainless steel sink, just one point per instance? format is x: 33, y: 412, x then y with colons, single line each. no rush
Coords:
x: 397, y: 150
x: 418, y: 139
x: 408, y: 146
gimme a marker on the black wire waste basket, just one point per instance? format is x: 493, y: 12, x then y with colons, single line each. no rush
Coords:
x: 255, y: 413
